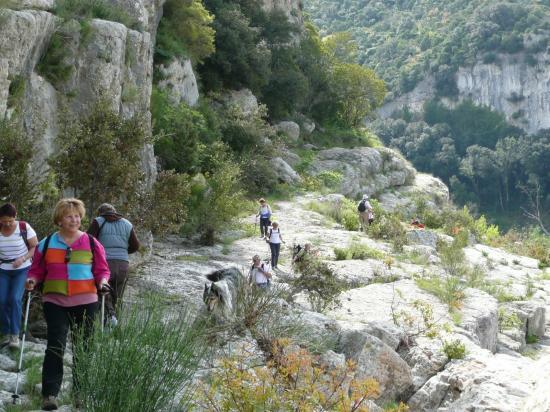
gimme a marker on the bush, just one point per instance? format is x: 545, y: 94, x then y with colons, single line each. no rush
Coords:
x: 317, y: 279
x: 194, y: 39
x: 293, y: 379
x: 454, y: 350
x: 358, y: 251
x: 343, y: 211
x: 164, y: 210
x: 387, y: 226
x: 449, y: 290
x: 99, y: 157
x: 508, y: 320
x: 94, y: 9
x: 157, y: 351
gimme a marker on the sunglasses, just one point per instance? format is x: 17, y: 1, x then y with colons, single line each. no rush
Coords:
x: 68, y: 254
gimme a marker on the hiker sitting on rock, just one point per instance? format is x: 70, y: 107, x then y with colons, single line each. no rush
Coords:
x: 264, y: 213
x: 259, y: 274
x: 366, y: 214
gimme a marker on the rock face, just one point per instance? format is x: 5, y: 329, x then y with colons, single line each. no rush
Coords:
x: 364, y: 169
x: 113, y: 63
x: 178, y: 79
x: 519, y: 90
x: 284, y: 172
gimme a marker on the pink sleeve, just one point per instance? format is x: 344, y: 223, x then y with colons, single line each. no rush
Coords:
x: 38, y: 268
x: 100, y: 268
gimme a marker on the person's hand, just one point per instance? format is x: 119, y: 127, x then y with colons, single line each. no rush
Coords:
x: 18, y: 262
x: 104, y: 287
x: 30, y: 284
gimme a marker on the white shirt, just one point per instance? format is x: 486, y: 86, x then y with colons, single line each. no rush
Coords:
x: 13, y: 246
x: 275, y: 236
x: 259, y: 276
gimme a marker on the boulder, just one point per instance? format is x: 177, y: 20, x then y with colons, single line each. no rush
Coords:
x: 364, y: 169
x: 377, y: 360
x: 6, y: 363
x: 243, y: 99
x: 179, y: 82
x: 38, y: 4
x: 422, y: 237
x: 480, y: 318
x: 290, y: 129
x: 291, y: 158
x: 284, y: 172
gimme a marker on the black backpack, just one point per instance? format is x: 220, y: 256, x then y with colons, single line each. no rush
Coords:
x: 362, y: 207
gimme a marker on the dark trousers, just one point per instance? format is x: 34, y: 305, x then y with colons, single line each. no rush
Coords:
x: 117, y: 281
x: 275, y: 249
x: 264, y: 225
x: 59, y: 320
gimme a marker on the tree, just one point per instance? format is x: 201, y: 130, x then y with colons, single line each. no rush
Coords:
x: 534, y: 211
x: 99, y: 157
x: 358, y: 92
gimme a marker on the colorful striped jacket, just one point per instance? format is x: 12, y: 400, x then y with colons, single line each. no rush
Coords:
x: 69, y: 271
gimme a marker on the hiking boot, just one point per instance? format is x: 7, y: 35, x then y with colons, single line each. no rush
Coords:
x: 113, y: 322
x: 49, y: 403
x: 13, y: 341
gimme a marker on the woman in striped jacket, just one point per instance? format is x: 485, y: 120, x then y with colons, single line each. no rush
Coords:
x: 72, y: 267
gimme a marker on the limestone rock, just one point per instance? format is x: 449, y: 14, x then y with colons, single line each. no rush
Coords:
x: 6, y: 363
x: 364, y: 169
x: 243, y: 99
x: 38, y: 4
x: 290, y: 129
x: 480, y: 318
x: 7, y: 380
x: 291, y: 158
x: 178, y: 79
x: 377, y: 360
x: 284, y: 172
x: 422, y: 237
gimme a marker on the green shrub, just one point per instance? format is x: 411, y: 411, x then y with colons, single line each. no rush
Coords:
x: 331, y: 178
x: 508, y: 319
x: 317, y: 279
x: 94, y: 9
x: 454, y: 350
x: 194, y: 39
x: 156, y: 350
x: 532, y: 339
x: 358, y: 251
x: 99, y: 157
x: 54, y: 64
x: 449, y: 289
x: 16, y: 151
x: 388, y: 226
x: 343, y: 212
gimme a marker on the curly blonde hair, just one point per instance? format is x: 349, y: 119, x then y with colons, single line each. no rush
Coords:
x: 66, y: 205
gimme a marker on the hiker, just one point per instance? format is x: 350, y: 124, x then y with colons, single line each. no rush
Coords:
x: 17, y: 243
x: 264, y: 213
x: 118, y: 237
x: 366, y: 214
x: 301, y: 252
x: 71, y: 266
x: 259, y: 274
x: 275, y: 239
x: 416, y: 223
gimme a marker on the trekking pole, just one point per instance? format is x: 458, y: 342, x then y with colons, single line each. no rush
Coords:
x: 102, y: 312
x: 15, y: 395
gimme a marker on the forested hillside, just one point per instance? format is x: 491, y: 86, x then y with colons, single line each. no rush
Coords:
x: 403, y: 40
x: 472, y: 55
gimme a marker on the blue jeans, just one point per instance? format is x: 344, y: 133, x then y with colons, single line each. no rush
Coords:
x: 275, y: 249
x: 12, y: 286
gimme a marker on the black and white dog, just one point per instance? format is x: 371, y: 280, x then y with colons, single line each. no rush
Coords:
x: 220, y: 296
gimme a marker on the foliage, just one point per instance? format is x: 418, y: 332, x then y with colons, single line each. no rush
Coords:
x: 94, y: 9
x: 164, y: 210
x: 530, y: 339
x: 169, y: 347
x: 179, y: 130
x: 396, y: 407
x: 454, y: 349
x: 529, y: 242
x: 216, y: 198
x: 16, y: 150
x: 54, y: 64
x: 293, y: 379
x: 318, y: 280
x: 185, y: 30
x: 358, y: 251
x: 417, y: 320
x: 343, y: 211
x: 98, y: 156
x: 406, y: 40
x: 508, y: 320
x: 387, y: 226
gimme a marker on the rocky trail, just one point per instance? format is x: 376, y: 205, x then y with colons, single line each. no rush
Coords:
x: 500, y: 372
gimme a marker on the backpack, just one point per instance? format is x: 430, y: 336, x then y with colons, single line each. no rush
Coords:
x: 362, y: 207
x: 23, y: 233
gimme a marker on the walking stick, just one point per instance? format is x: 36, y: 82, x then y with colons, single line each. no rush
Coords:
x: 15, y: 395
x: 102, y: 312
